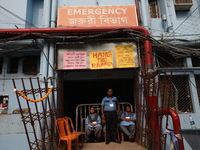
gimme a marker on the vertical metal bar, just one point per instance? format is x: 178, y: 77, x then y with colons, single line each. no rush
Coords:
x: 53, y: 96
x: 50, y: 110
x: 32, y: 122
x: 44, y: 111
x: 53, y: 127
x: 38, y: 116
x: 77, y: 117
x: 22, y: 115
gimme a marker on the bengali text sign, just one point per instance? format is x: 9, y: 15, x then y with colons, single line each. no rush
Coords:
x: 123, y: 15
x: 124, y: 56
x: 74, y: 60
x: 101, y: 60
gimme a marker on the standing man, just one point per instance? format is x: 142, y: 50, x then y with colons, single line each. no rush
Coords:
x: 109, y: 109
x: 127, y: 124
x: 93, y: 123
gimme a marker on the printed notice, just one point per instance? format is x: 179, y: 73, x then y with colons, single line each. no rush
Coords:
x: 124, y: 56
x: 101, y: 60
x: 74, y: 60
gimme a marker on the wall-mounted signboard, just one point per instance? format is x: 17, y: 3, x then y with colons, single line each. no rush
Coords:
x: 123, y: 15
x: 96, y: 55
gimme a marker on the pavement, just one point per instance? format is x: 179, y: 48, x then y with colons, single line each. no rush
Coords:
x: 111, y: 146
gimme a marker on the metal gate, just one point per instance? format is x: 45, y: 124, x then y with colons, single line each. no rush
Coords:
x: 152, y: 95
x: 39, y: 97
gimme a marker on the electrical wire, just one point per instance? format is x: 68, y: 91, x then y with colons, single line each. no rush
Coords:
x: 32, y: 25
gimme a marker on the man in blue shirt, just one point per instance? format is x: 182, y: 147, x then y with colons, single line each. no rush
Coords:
x: 109, y: 109
x: 93, y: 123
x: 127, y: 124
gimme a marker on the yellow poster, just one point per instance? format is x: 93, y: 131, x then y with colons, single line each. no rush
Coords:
x: 101, y: 60
x: 124, y: 56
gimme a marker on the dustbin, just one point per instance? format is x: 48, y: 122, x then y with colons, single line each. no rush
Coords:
x: 192, y: 136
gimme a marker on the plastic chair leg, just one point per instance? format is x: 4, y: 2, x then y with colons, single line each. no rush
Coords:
x: 58, y: 145
x: 69, y: 145
x: 76, y: 144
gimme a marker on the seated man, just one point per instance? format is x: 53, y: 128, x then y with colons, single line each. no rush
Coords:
x: 93, y: 123
x: 127, y: 123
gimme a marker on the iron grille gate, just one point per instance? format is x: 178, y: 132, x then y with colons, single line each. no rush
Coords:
x: 152, y: 97
x: 39, y: 122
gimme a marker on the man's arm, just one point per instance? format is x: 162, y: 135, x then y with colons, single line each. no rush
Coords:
x: 102, y: 113
x: 99, y: 120
x: 118, y: 108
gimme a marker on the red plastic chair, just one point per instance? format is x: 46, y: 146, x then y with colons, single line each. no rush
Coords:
x: 72, y: 130
x: 64, y: 134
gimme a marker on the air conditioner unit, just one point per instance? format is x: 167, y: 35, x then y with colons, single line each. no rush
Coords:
x: 183, y: 5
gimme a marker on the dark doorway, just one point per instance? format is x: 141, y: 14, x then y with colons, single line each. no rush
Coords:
x: 93, y: 91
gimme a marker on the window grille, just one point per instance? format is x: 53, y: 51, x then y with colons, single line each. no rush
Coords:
x: 154, y: 9
x: 197, y: 78
x: 181, y: 99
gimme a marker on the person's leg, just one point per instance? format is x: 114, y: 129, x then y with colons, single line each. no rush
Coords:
x: 113, y: 124
x: 97, y: 133
x: 132, y: 130
x: 88, y: 131
x: 108, y: 123
x: 125, y: 130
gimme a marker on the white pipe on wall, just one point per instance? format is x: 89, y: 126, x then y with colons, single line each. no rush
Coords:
x: 51, y: 48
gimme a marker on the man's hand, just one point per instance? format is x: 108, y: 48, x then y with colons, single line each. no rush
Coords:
x: 103, y: 118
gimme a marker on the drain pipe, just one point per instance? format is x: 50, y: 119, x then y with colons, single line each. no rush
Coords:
x: 51, y: 48
x: 51, y: 53
x: 45, y: 58
x: 177, y: 126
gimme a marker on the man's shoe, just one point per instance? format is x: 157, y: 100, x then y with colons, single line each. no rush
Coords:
x: 107, y: 141
x: 130, y: 138
x: 87, y: 141
x: 98, y: 140
x: 116, y: 141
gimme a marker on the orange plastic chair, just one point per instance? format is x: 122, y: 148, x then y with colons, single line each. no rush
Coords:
x: 73, y: 131
x: 64, y: 134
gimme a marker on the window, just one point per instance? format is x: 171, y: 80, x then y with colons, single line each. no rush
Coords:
x: 30, y: 65
x: 165, y: 60
x: 14, y: 63
x: 195, y: 62
x: 154, y: 9
x: 183, y: 5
